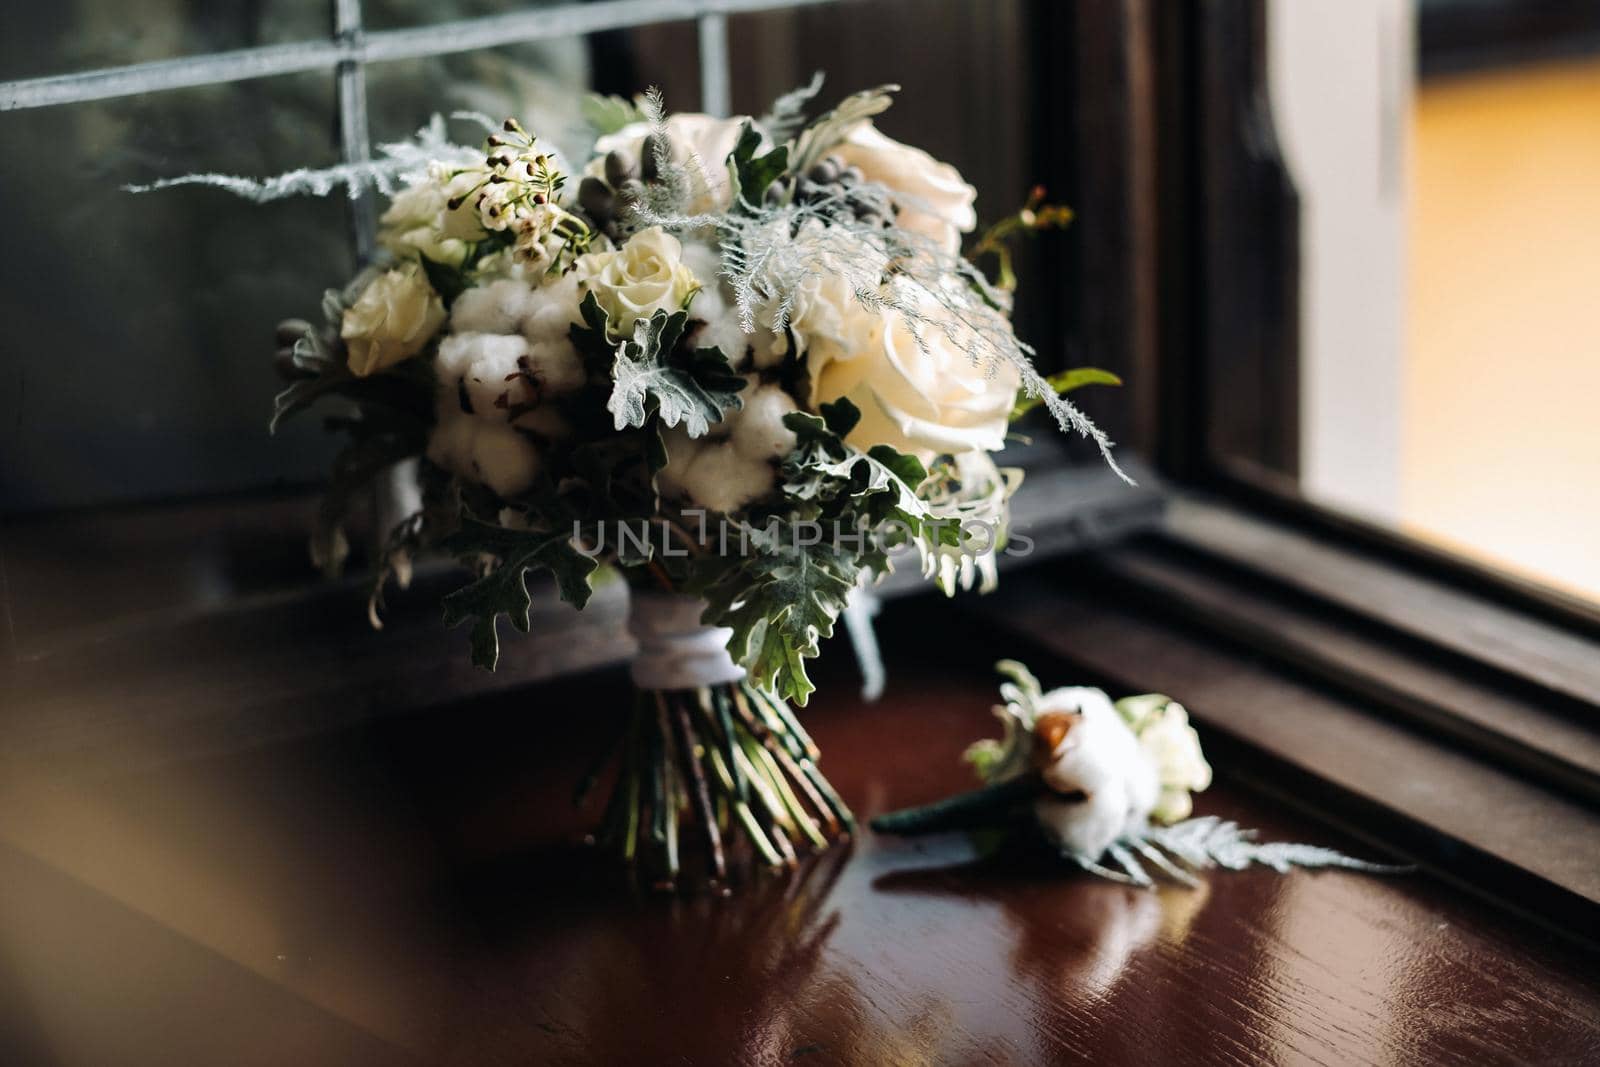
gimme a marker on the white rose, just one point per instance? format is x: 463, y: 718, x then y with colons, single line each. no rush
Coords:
x: 460, y: 187
x: 826, y: 316
x: 410, y: 225
x: 706, y: 138
x: 646, y: 275
x: 1173, y: 746
x: 919, y: 390
x: 393, y: 319
x: 933, y: 199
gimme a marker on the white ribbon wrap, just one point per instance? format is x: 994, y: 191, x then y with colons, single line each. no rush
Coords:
x: 677, y: 651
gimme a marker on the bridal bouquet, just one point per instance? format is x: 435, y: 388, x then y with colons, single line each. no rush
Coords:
x: 744, y: 361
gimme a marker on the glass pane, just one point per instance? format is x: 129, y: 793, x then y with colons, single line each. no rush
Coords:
x: 1451, y: 242
x: 41, y: 39
x: 543, y: 83
x: 139, y: 329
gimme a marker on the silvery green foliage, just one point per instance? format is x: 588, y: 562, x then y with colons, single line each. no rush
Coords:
x: 1205, y: 842
x: 770, y: 251
x: 997, y: 761
x: 787, y: 116
x: 396, y: 163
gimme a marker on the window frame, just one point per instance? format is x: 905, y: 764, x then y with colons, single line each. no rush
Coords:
x: 1190, y: 222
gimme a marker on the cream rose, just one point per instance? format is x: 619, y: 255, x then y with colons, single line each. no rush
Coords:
x: 828, y: 320
x: 933, y: 199
x: 395, y: 316
x: 644, y: 276
x: 410, y: 226
x: 918, y: 389
x: 1166, y: 737
x: 705, y: 137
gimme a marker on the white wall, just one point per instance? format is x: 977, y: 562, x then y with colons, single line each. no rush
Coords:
x: 1341, y: 79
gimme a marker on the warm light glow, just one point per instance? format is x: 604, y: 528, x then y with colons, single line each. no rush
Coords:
x: 1501, y: 434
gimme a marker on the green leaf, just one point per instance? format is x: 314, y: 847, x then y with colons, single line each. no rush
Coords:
x: 751, y: 174
x: 608, y: 114
x: 1063, y: 383
x: 780, y: 601
x: 651, y: 377
x: 448, y: 281
x: 829, y: 129
x: 593, y: 338
x: 502, y: 591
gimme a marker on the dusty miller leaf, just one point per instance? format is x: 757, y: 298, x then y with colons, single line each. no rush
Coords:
x: 502, y: 591
x: 651, y: 376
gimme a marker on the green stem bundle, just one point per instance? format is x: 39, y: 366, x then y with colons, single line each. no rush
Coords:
x: 709, y: 776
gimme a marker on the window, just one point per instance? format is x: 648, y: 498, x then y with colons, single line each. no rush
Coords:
x: 1311, y: 618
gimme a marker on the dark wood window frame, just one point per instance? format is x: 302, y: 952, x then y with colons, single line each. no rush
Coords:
x: 1437, y: 706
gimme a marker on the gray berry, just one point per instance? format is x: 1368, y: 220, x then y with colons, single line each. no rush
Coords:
x: 824, y: 171
x: 619, y: 168
x: 596, y: 199
x: 648, y: 154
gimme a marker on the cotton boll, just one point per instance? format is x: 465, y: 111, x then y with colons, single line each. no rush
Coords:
x: 720, y: 479
x: 758, y: 429
x: 494, y: 308
x: 552, y: 310
x: 544, y: 422
x: 714, y: 323
x: 503, y: 459
x: 682, y: 451
x: 704, y: 260
x: 1091, y: 751
x: 494, y: 372
x: 455, y: 357
x: 556, y: 366
x: 450, y: 444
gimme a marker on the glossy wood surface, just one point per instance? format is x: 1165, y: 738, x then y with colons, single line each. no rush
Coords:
x: 415, y: 890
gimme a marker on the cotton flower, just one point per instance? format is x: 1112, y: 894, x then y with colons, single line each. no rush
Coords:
x: 488, y: 451
x: 498, y: 307
x: 758, y: 432
x: 646, y: 275
x: 919, y: 389
x: 1102, y: 786
x: 547, y: 325
x: 393, y: 319
x: 722, y: 479
x: 933, y: 199
x: 490, y: 368
x: 682, y: 450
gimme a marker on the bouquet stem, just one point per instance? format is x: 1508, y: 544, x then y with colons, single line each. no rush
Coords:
x: 711, y: 775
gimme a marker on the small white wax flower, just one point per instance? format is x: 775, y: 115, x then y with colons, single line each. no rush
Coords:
x: 720, y: 479
x: 758, y: 429
x: 498, y: 307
